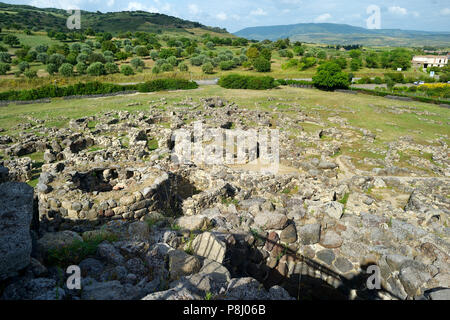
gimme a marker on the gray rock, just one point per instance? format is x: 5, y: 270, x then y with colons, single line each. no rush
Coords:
x: 270, y: 220
x: 334, y: 209
x: 16, y: 212
x: 191, y: 223
x: 413, y: 275
x: 343, y: 264
x: 31, y: 289
x: 91, y: 267
x: 216, y: 271
x: 289, y: 234
x: 330, y: 239
x: 110, y: 290
x: 326, y: 256
x: 110, y: 253
x: 53, y: 240
x: 442, y: 294
x: 251, y: 289
x: 207, y: 245
x: 309, y: 234
x: 182, y: 264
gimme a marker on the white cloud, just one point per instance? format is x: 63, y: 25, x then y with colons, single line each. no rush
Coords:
x: 193, y: 9
x: 110, y: 3
x: 416, y: 14
x: 222, y: 16
x: 323, y: 17
x: 258, y: 12
x: 445, y: 12
x: 398, y: 10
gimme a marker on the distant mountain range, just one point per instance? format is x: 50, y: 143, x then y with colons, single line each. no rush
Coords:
x: 28, y: 17
x: 331, y: 33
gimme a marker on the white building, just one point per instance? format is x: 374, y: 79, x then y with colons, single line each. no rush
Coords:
x: 430, y: 61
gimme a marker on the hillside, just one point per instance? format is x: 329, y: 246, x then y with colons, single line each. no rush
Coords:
x: 28, y: 17
x: 331, y: 33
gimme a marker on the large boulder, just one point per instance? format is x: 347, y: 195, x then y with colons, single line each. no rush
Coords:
x: 209, y: 246
x: 182, y: 264
x: 16, y: 213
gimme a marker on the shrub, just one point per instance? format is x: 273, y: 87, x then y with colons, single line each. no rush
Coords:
x: 136, y: 63
x: 52, y: 68
x: 111, y: 68
x: 66, y: 70
x: 23, y: 66
x: 330, y: 76
x: 183, y: 67
x: 126, y: 70
x: 226, y: 65
x: 5, y: 57
x: 96, y: 69
x: 142, y: 51
x: 236, y: 81
x: 166, y: 84
x: 42, y: 57
x: 156, y: 70
x: 208, y: 68
x: 172, y: 60
x: 30, y: 74
x: 166, y: 67
x: 57, y: 59
x: 81, y: 67
x: 261, y: 64
x: 4, y: 68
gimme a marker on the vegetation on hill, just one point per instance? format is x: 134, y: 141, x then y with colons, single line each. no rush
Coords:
x: 331, y: 33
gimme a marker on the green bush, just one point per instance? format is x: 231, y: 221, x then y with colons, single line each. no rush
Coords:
x: 330, y: 76
x: 166, y: 67
x: 166, y: 84
x: 183, y: 67
x: 236, y: 81
x: 126, y: 70
x: 226, y: 65
x: 5, y: 57
x: 66, y: 70
x: 261, y: 64
x: 23, y: 66
x: 30, y: 74
x: 208, y: 68
x: 52, y: 68
x: 111, y: 67
x: 156, y: 70
x: 96, y: 69
x: 4, y: 68
x: 136, y: 63
x: 81, y: 67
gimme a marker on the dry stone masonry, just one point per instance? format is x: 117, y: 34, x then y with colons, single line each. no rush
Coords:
x: 110, y: 199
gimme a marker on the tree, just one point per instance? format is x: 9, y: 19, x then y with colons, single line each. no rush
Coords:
x: 142, y: 51
x: 4, y: 68
x: 66, y: 70
x: 81, y: 67
x: 42, y: 48
x: 252, y: 53
x: 5, y: 57
x: 96, y: 69
x: 166, y: 67
x: 111, y: 68
x: 11, y: 40
x: 330, y: 76
x: 30, y: 74
x: 136, y: 63
x: 52, y: 68
x: 208, y: 68
x: 355, y: 64
x: 261, y: 65
x: 126, y: 70
x: 109, y: 46
x: 23, y: 66
x: 57, y: 59
x: 183, y: 67
x: 156, y: 70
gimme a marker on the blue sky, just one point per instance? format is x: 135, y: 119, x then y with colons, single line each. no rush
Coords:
x: 427, y: 15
